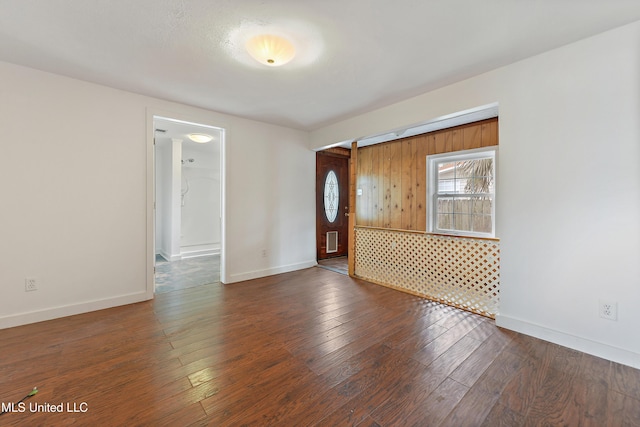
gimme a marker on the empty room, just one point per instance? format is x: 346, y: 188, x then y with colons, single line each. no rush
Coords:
x: 328, y: 213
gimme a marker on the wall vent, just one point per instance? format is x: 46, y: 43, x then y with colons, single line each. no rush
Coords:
x: 332, y: 241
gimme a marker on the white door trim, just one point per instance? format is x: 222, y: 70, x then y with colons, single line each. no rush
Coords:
x: 192, y: 117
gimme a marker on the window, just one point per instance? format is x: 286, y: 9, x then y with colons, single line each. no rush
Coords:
x: 461, y: 189
x: 331, y: 196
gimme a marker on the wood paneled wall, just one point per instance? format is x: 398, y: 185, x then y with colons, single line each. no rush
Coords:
x: 392, y: 177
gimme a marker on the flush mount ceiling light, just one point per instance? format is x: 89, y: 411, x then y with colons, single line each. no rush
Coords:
x: 200, y: 137
x: 271, y: 50
x: 306, y: 42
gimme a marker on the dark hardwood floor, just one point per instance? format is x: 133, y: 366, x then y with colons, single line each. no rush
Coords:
x: 306, y: 348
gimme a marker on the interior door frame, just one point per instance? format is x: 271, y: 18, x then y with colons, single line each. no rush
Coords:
x: 353, y: 178
x: 190, y: 117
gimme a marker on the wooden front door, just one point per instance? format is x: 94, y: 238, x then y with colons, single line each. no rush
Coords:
x: 332, y: 205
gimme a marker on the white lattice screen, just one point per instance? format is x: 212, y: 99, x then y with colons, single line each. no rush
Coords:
x: 462, y: 272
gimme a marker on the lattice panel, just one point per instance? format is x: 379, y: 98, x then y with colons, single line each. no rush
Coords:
x: 457, y: 271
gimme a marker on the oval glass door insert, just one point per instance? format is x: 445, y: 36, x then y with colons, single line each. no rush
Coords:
x: 331, y: 196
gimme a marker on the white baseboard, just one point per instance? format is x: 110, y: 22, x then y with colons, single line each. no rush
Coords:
x: 584, y: 345
x: 256, y: 274
x: 70, y: 310
x: 198, y: 253
x: 168, y: 256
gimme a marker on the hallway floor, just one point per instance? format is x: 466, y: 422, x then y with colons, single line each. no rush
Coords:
x: 186, y: 273
x: 339, y: 264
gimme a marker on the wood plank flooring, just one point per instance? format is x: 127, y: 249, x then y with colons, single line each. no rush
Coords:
x: 308, y: 348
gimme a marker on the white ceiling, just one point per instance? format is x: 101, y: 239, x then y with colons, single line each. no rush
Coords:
x: 167, y: 129
x: 353, y: 55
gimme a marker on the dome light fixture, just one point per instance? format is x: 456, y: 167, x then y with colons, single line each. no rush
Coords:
x: 200, y: 137
x: 271, y: 50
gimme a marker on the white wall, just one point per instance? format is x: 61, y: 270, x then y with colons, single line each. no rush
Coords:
x: 568, y: 208
x: 272, y: 204
x: 168, y: 153
x: 162, y: 160
x: 74, y: 175
x: 200, y: 227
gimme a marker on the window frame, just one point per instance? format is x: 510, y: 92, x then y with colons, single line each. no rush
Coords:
x: 433, y: 195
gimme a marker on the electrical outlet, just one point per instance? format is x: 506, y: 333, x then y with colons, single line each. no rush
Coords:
x: 608, y: 310
x: 264, y: 253
x: 30, y: 284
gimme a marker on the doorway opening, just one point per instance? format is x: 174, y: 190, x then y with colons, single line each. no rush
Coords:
x: 332, y: 209
x: 188, y: 208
